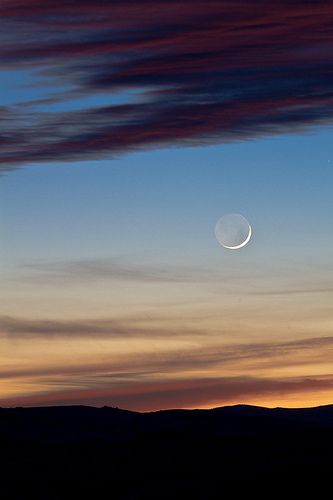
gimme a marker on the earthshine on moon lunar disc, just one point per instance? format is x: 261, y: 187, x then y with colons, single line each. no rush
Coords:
x: 233, y: 231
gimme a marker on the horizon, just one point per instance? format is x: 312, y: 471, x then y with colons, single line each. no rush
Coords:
x: 238, y: 405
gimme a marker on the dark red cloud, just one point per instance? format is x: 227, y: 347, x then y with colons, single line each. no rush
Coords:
x: 207, y: 71
x: 184, y: 393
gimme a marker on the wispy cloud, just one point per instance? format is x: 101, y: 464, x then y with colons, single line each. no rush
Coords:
x: 228, y: 280
x: 205, y: 72
x: 308, y: 289
x: 115, y: 269
x: 18, y: 328
x: 207, y: 354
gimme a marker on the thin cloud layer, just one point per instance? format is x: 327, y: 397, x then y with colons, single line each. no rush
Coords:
x: 115, y: 269
x: 185, y: 359
x: 203, y: 72
x: 110, y: 328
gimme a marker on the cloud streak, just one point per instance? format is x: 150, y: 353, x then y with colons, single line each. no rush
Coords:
x: 116, y: 269
x: 205, y: 355
x: 136, y: 327
x: 204, y: 72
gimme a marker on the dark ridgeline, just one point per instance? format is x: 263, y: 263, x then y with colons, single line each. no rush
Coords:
x: 85, y: 452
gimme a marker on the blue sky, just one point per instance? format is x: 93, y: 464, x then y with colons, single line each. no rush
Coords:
x: 164, y: 204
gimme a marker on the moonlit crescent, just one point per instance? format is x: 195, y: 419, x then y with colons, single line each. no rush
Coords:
x: 242, y: 244
x: 233, y: 231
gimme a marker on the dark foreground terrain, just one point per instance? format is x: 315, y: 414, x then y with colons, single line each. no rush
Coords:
x: 84, y: 452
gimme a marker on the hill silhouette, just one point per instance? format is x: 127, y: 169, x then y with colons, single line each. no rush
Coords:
x: 86, y: 452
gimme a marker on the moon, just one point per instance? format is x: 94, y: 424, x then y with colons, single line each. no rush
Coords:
x: 233, y: 231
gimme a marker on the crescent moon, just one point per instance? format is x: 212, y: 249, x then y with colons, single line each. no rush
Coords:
x: 244, y: 242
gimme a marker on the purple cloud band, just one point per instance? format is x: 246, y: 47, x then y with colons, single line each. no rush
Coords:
x: 207, y: 72
x: 184, y: 393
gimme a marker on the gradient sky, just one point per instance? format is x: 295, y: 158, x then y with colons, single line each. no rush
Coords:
x: 127, y: 129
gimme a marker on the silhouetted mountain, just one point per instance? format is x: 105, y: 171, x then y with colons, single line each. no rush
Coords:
x: 85, y: 452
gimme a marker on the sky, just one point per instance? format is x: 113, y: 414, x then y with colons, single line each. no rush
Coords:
x: 127, y: 130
